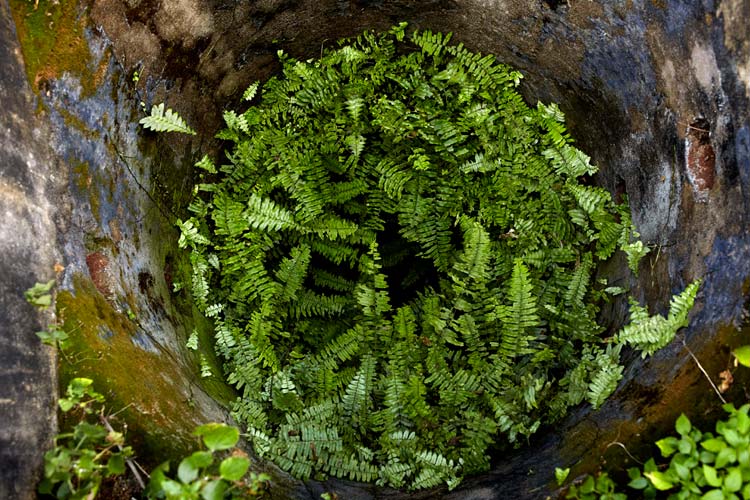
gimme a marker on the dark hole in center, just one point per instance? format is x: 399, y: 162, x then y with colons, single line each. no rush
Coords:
x: 556, y: 4
x: 406, y: 271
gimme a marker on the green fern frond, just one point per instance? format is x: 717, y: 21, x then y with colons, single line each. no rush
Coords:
x: 651, y: 333
x: 607, y: 373
x: 265, y: 215
x: 250, y: 92
x: 520, y: 315
x: 635, y: 252
x: 165, y: 121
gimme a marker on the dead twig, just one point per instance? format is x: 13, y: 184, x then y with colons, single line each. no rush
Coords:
x: 716, y: 389
x: 129, y: 461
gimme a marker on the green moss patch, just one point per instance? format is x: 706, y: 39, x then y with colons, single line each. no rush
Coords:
x: 104, y: 346
x: 53, y: 42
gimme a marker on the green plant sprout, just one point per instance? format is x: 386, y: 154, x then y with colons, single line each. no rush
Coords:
x: 80, y: 460
x: 202, y: 476
x: 702, y: 465
x: 75, y: 467
x: 40, y: 295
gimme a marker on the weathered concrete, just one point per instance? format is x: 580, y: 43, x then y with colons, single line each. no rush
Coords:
x: 655, y: 91
x: 30, y: 177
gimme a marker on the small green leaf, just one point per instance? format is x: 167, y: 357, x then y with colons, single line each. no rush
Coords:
x: 250, y: 92
x: 588, y: 485
x: 743, y: 355
x: 206, y: 164
x: 713, y: 495
x: 39, y: 295
x: 638, y: 483
x: 743, y: 422
x: 214, y: 490
x: 206, y: 368
x: 218, y: 436
x: 660, y: 480
x: 561, y: 475
x: 682, y: 470
x: 712, y: 478
x: 116, y: 465
x: 683, y: 425
x: 686, y: 446
x: 172, y: 488
x: 714, y: 445
x: 733, y: 480
x: 93, y: 432
x: 743, y: 457
x: 190, y: 467
x: 52, y: 336
x: 668, y: 445
x: 733, y: 438
x: 66, y: 404
x: 161, y: 120
x: 725, y: 456
x: 233, y: 468
x: 706, y: 457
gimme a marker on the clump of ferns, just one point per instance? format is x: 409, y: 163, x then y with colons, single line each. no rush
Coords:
x: 399, y: 257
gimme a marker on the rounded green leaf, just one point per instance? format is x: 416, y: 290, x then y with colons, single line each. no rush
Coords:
x: 638, y: 483
x: 214, y: 490
x: 668, y: 445
x: 218, y: 436
x: 713, y: 495
x: 186, y: 472
x: 233, y: 468
x: 66, y: 404
x: 116, y: 465
x: 190, y: 467
x: 733, y: 481
x: 173, y: 489
x: 588, y: 485
x: 660, y: 480
x: 712, y: 478
x: 743, y: 422
x: 725, y: 456
x: 683, y: 425
x: 686, y: 446
x: 682, y: 470
x: 743, y: 355
x: 714, y: 445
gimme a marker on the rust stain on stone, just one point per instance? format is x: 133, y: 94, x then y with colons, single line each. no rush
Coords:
x: 700, y: 158
x: 98, y: 265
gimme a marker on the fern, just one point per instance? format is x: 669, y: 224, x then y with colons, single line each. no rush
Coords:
x: 400, y: 261
x: 651, y: 333
x: 165, y: 121
x: 607, y: 373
